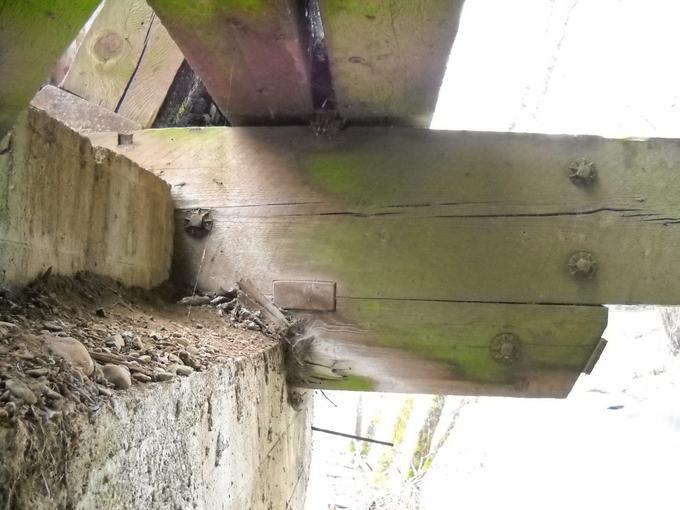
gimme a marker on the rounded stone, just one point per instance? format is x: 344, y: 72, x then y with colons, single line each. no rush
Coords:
x: 117, y: 375
x: 20, y: 390
x: 72, y: 351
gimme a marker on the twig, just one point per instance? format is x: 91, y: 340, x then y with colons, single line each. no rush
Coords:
x: 327, y: 398
x: 351, y: 436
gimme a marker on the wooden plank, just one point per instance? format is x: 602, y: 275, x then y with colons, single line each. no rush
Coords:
x: 423, y: 215
x: 295, y: 207
x: 248, y: 54
x: 446, y: 348
x: 388, y: 59
x: 109, y: 55
x: 304, y: 295
x: 153, y: 77
x: 79, y: 114
x: 32, y: 36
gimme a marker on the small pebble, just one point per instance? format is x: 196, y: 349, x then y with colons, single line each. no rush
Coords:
x: 162, y: 376
x: 37, y: 372
x: 20, y: 390
x: 104, y: 391
x: 72, y: 351
x: 184, y: 370
x: 141, y: 377
x: 100, y: 312
x: 195, y: 300
x: 52, y: 326
x: 116, y: 341
x: 117, y: 375
x: 49, y: 392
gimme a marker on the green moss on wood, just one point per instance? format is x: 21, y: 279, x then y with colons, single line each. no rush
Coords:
x: 32, y: 37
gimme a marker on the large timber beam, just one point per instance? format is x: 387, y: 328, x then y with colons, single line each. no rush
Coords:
x: 387, y: 59
x: 429, y: 215
x: 249, y: 54
x: 438, y: 244
x: 32, y: 36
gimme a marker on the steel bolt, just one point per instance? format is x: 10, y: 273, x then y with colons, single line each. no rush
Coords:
x: 582, y: 172
x: 583, y: 265
x: 198, y: 223
x: 506, y: 348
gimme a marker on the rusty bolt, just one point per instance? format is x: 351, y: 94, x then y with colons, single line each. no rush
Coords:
x: 506, y: 348
x: 198, y: 223
x: 583, y: 265
x: 582, y: 172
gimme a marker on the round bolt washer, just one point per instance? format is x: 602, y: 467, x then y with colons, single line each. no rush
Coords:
x: 506, y: 348
x: 582, y: 172
x: 583, y: 265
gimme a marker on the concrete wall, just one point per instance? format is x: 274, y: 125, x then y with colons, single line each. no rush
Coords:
x: 226, y: 438
x: 72, y: 207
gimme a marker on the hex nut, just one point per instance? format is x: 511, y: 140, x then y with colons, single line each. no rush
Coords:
x: 506, y: 348
x: 582, y: 172
x: 582, y: 265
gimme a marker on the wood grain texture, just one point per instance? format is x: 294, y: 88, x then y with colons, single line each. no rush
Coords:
x: 411, y: 214
x: 153, y: 77
x: 444, y: 348
x: 248, y: 53
x: 79, y: 114
x: 388, y: 59
x: 110, y: 52
x: 32, y: 37
x: 437, y: 242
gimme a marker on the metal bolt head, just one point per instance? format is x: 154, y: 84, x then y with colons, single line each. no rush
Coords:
x: 198, y: 223
x: 582, y: 172
x: 506, y: 348
x: 583, y: 265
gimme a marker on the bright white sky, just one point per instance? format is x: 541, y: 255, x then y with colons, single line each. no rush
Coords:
x: 605, y: 67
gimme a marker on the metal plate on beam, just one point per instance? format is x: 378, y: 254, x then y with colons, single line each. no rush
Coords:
x: 305, y: 295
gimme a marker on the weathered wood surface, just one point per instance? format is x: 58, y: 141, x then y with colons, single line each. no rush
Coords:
x: 445, y: 348
x: 151, y: 81
x: 79, y: 114
x: 426, y: 215
x: 248, y: 54
x: 388, y: 59
x: 72, y: 207
x: 126, y: 63
x: 32, y: 36
x: 108, y: 57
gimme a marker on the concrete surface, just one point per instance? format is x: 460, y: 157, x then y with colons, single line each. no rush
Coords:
x: 70, y: 206
x: 226, y: 438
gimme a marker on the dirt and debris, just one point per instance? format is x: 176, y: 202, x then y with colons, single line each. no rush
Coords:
x: 69, y: 344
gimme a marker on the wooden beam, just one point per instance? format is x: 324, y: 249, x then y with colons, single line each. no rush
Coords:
x: 32, y: 36
x: 249, y: 55
x: 110, y: 52
x: 153, y: 77
x: 448, y: 348
x: 79, y: 114
x: 126, y: 63
x: 426, y: 215
x: 387, y: 59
